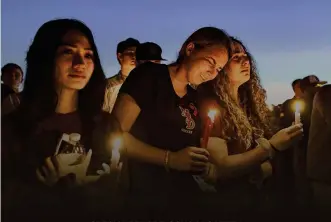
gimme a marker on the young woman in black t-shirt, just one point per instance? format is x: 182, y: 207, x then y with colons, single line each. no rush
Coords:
x: 157, y: 110
x: 63, y: 93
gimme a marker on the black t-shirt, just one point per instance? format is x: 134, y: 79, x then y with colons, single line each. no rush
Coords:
x: 25, y: 153
x: 166, y: 121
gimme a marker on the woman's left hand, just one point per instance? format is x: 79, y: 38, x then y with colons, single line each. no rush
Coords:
x: 266, y: 169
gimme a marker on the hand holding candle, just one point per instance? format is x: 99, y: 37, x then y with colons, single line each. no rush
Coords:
x: 210, y: 119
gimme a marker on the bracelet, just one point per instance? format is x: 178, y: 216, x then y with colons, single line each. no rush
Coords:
x: 274, y: 148
x: 166, y: 161
x: 266, y: 145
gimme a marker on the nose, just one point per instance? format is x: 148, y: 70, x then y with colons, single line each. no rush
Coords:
x: 245, y: 61
x: 78, y: 61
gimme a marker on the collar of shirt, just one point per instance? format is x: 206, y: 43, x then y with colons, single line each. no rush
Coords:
x: 120, y: 76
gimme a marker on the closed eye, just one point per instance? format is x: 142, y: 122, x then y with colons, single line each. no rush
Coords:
x: 67, y: 52
x: 213, y: 63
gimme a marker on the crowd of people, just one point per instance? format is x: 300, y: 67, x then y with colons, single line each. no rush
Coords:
x: 159, y: 113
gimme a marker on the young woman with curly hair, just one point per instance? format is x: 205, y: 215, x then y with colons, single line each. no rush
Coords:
x: 241, y: 141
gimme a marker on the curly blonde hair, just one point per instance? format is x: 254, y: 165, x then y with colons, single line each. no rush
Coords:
x: 249, y: 120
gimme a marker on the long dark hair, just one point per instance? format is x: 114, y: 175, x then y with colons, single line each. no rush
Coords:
x: 39, y: 97
x: 203, y: 37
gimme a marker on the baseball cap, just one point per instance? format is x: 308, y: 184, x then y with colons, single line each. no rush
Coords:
x: 149, y: 51
x: 128, y: 43
x: 312, y: 81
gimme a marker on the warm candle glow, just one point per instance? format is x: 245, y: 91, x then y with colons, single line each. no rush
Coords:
x: 298, y: 106
x: 117, y: 143
x: 212, y: 114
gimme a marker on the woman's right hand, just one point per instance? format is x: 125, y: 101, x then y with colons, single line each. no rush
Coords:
x: 61, y: 165
x: 286, y: 137
x: 189, y: 159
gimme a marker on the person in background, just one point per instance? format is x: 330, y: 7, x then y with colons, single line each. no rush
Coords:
x: 309, y: 85
x: 63, y: 93
x: 287, y: 117
x: 157, y: 110
x: 242, y: 142
x: 126, y: 57
x: 283, y: 162
x: 12, y: 78
x: 319, y: 150
x: 149, y: 52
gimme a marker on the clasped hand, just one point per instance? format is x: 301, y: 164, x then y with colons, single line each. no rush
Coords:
x: 62, y: 165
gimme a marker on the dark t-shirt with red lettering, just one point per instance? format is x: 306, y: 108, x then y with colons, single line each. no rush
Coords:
x: 166, y: 121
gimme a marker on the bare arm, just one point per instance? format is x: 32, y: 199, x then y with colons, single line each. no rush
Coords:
x: 126, y: 111
x: 234, y: 165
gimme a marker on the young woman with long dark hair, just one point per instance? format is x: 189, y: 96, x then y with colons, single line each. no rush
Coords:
x: 63, y: 93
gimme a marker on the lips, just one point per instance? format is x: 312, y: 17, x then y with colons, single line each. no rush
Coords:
x: 77, y: 76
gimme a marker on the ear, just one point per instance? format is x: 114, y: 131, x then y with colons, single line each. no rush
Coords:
x: 189, y: 49
x: 119, y: 57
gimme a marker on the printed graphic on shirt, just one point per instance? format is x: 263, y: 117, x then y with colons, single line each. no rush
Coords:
x: 189, y: 121
x: 69, y: 144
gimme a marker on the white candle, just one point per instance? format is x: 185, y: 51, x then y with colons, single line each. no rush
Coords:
x: 115, y: 154
x: 297, y: 113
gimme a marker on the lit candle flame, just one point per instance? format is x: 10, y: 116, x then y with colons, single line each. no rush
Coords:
x: 298, y: 108
x: 212, y: 114
x: 298, y: 105
x: 117, y: 143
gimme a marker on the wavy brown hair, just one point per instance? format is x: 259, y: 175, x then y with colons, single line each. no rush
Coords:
x: 249, y: 120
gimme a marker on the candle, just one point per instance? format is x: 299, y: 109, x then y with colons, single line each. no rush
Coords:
x: 210, y: 118
x: 115, y: 154
x: 209, y: 125
x: 297, y: 113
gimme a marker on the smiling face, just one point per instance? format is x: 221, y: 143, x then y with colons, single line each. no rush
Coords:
x: 74, y: 62
x: 238, y: 68
x: 204, y: 64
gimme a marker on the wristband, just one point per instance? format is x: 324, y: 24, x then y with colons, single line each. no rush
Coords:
x: 274, y: 148
x: 166, y: 161
x: 266, y: 145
